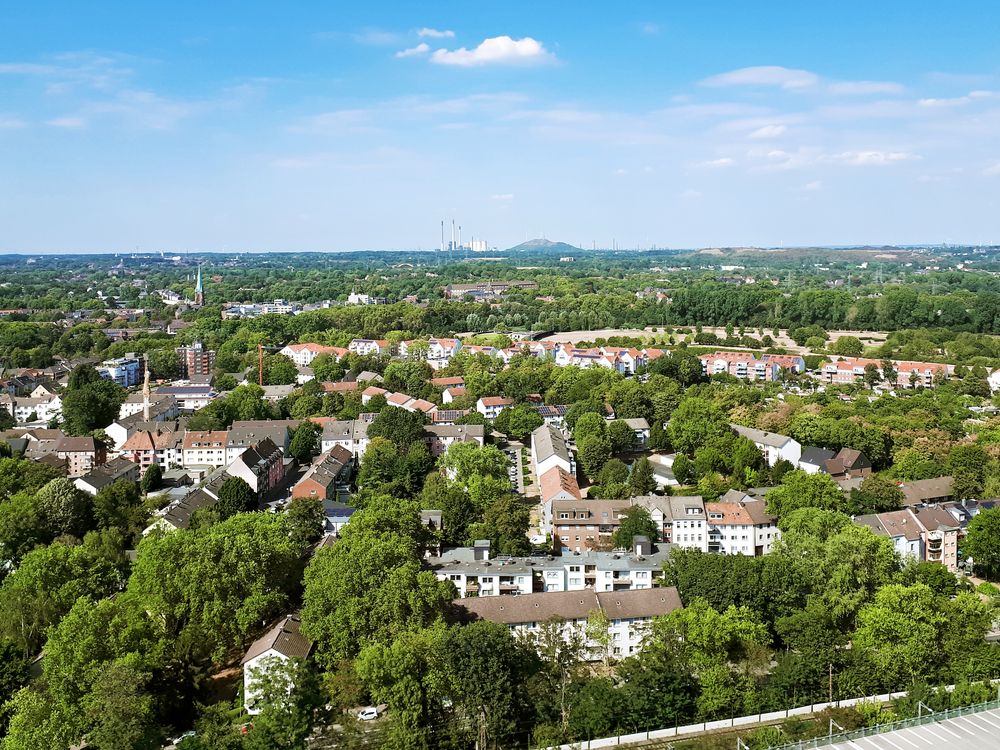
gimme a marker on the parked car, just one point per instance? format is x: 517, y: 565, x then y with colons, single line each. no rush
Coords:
x: 368, y: 714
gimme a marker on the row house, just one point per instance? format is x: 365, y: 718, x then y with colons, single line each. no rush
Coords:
x: 448, y: 381
x: 28, y: 409
x: 304, y: 354
x: 747, y: 366
x: 370, y: 347
x: 117, y: 469
x: 740, y: 525
x: 261, y: 466
x: 474, y: 573
x: 328, y: 476
x: 908, y: 374
x: 448, y: 416
x: 161, y: 415
x: 629, y: 614
x: 165, y: 448
x: 204, y: 448
x: 556, y: 484
x: 579, y: 525
x: 681, y: 520
x: 928, y: 533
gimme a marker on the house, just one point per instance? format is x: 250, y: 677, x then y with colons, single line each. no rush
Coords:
x: 304, y: 354
x: 370, y: 347
x: 555, y: 415
x: 328, y: 476
x: 351, y: 434
x: 491, y: 406
x: 107, y: 474
x: 556, y: 484
x: 164, y: 448
x: 204, y: 448
x: 681, y: 519
x: 928, y: 534
x: 629, y: 614
x: 641, y: 429
x: 925, y: 491
x: 849, y: 463
x: 907, y: 374
x: 190, y: 397
x: 440, y: 437
x: 447, y: 382
x: 31, y: 409
x: 442, y: 350
x: 586, y: 524
x: 279, y: 644
x: 245, y: 433
x: 161, y: 405
x: 336, y: 516
x: 775, y: 447
x: 813, y: 459
x: 447, y: 416
x: 549, y: 449
x: 125, y: 371
x: 740, y: 525
x: 261, y: 466
x: 452, y: 392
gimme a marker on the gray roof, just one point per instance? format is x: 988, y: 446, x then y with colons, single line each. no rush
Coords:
x: 922, y: 490
x: 816, y: 456
x: 108, y: 473
x: 350, y: 429
x: 760, y: 437
x: 284, y: 638
x: 252, y: 432
x: 570, y: 605
x: 546, y: 442
x: 673, y: 506
x: 460, y: 431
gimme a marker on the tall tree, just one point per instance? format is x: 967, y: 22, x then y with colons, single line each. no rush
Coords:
x: 235, y: 496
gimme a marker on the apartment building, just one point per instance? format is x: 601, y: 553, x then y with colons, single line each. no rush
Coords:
x: 370, y: 347
x: 80, y: 453
x: 204, y: 448
x: 907, y: 374
x: 491, y: 406
x: 107, y: 474
x: 351, y: 434
x: 328, y: 477
x: 740, y: 525
x: 775, y: 447
x: 304, y: 354
x: 165, y: 448
x: 550, y: 449
x: 928, y: 533
x: 261, y: 466
x: 747, y: 366
x: 281, y: 643
x: 629, y: 614
x: 196, y: 361
x: 440, y: 437
x: 681, y: 519
x: 587, y: 524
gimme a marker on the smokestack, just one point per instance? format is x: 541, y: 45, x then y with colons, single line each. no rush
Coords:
x: 442, y: 235
x: 460, y: 237
x: 452, y: 234
x: 145, y: 389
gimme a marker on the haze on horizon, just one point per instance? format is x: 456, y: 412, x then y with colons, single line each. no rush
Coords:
x: 245, y: 127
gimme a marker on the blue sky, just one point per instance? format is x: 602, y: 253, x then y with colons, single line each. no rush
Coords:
x: 336, y: 126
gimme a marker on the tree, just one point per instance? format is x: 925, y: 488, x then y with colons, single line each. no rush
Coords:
x: 561, y: 650
x: 371, y: 585
x: 13, y: 676
x: 22, y: 475
x: 458, y: 511
x: 614, y: 471
x: 119, y: 711
x: 847, y: 346
x: 635, y: 521
x: 875, y: 495
x: 801, y: 490
x: 467, y: 459
x: 66, y: 509
x: 279, y: 370
x: 641, y: 479
x: 164, y: 364
x: 982, y: 543
x: 590, y: 425
x: 683, y: 469
x: 967, y: 464
x: 288, y: 695
x: 90, y: 402
x: 400, y: 426
x: 872, y: 375
x: 119, y: 506
x: 518, y: 421
x: 306, y: 520
x: 621, y: 436
x: 694, y: 421
x: 235, y: 496
x: 152, y: 479
x: 505, y: 524
x: 593, y: 452
x: 305, y: 442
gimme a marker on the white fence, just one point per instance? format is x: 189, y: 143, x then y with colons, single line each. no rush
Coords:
x: 739, y: 721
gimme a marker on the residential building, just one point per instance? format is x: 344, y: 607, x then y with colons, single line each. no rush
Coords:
x: 928, y: 533
x: 195, y: 360
x: 370, y: 347
x: 336, y: 516
x: 204, y: 448
x: 441, y: 436
x: 351, y: 434
x: 587, y: 524
x: 681, y: 519
x: 81, y: 453
x: 107, y: 474
x: 190, y: 397
x: 747, y: 366
x: 555, y: 484
x: 549, y: 449
x: 640, y: 427
x: 278, y: 645
x: 629, y: 614
x: 261, y: 466
x: 328, y: 477
x: 451, y: 393
x: 304, y: 354
x: 161, y: 405
x: 485, y: 290
x: 907, y: 374
x: 246, y: 433
x: 775, y: 447
x: 163, y: 447
x: 32, y: 409
x: 741, y: 525
x: 926, y: 491
x: 125, y: 371
x: 491, y: 406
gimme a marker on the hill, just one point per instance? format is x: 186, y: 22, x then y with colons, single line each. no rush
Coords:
x: 543, y: 246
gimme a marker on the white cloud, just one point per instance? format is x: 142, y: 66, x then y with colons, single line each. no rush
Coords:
x: 957, y: 101
x: 691, y: 193
x: 376, y: 37
x: 502, y: 197
x: 428, y: 33
x: 992, y: 170
x: 765, y: 75
x: 11, y: 123
x: 860, y: 88
x: 872, y: 158
x: 421, y: 49
x: 650, y: 28
x: 497, y: 50
x: 813, y: 186
x: 67, y: 122
x: 769, y: 131
x: 620, y: 171
x: 724, y: 161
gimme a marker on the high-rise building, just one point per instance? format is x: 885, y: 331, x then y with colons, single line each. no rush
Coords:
x: 196, y: 359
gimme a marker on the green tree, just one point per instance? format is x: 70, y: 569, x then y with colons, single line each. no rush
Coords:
x: 875, y: 495
x: 801, y: 490
x: 594, y: 453
x: 235, y: 496
x: 621, y: 436
x: 614, y: 471
x: 306, y: 520
x: 982, y: 543
x: 590, y: 425
x: 505, y: 524
x: 400, y: 426
x: 152, y: 479
x: 467, y: 459
x: 119, y: 506
x: 635, y: 521
x: 694, y: 421
x: 288, y: 695
x: 458, y: 511
x: 119, y: 712
x: 305, y: 442
x: 90, y: 402
x: 641, y: 479
x: 13, y: 676
x: 518, y: 421
x: 66, y: 509
x: 683, y: 469
x: 279, y: 370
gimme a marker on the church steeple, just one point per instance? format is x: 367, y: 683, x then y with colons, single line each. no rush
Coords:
x: 145, y: 389
x: 199, y: 291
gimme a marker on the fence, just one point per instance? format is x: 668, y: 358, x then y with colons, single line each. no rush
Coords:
x: 749, y: 721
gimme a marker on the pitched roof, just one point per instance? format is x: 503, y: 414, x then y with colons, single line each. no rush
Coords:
x: 570, y: 605
x: 284, y: 637
x: 922, y: 490
x: 761, y: 437
x: 546, y: 441
x: 557, y: 480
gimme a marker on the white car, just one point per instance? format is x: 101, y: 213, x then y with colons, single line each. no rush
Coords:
x: 368, y: 714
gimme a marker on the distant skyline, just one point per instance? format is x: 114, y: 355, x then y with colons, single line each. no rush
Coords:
x: 252, y: 126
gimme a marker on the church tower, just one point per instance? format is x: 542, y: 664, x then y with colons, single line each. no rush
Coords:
x: 199, y: 291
